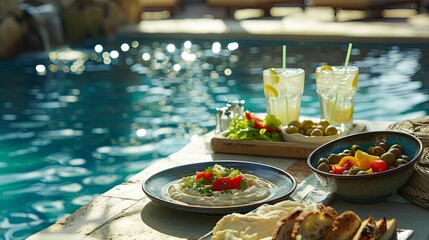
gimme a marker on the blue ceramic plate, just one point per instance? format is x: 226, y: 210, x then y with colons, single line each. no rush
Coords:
x: 155, y: 187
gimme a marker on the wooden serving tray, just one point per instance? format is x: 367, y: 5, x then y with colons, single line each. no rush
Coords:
x: 221, y: 144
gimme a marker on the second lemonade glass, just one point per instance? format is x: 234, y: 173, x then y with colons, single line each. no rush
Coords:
x: 283, y: 90
x: 336, y: 87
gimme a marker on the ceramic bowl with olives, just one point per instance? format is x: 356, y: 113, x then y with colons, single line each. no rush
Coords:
x: 366, y: 167
x: 310, y: 131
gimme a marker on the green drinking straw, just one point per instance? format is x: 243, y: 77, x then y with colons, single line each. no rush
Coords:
x: 284, y: 58
x: 284, y: 72
x: 346, y: 63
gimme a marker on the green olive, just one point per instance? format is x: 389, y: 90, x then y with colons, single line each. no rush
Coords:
x: 316, y: 132
x: 405, y: 157
x: 323, y: 167
x: 389, y: 158
x: 355, y: 170
x: 334, y: 158
x: 362, y: 173
x: 323, y: 160
x: 308, y: 131
x: 369, y: 150
x: 396, y: 146
x: 291, y: 129
x: 331, y: 130
x: 400, y: 162
x: 306, y: 124
x: 348, y: 152
x: 378, y: 151
x: 384, y: 146
x: 396, y: 151
x: 354, y: 148
x: 295, y: 123
x: 324, y: 123
x: 322, y: 128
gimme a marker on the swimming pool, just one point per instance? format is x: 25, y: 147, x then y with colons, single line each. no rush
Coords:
x: 76, y: 122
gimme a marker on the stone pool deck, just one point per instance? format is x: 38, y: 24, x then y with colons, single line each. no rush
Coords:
x: 125, y: 212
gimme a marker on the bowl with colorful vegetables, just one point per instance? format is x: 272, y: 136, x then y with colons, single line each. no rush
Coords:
x: 366, y: 167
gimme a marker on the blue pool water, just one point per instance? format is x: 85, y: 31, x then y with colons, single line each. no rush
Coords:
x: 78, y: 121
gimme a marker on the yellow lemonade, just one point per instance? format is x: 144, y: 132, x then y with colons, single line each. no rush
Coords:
x: 337, y: 112
x: 336, y: 89
x: 283, y: 91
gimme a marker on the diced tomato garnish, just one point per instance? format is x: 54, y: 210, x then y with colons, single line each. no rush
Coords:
x: 221, y: 184
x: 379, y: 166
x: 348, y: 164
x: 249, y: 115
x: 236, y: 182
x: 206, y: 175
x: 337, y: 169
x: 259, y: 123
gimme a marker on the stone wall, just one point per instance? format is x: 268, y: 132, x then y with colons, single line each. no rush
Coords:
x: 10, y: 27
x: 81, y: 19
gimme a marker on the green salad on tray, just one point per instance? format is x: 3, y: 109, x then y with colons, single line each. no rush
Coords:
x: 251, y: 127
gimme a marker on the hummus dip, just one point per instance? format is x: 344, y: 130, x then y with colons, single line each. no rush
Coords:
x: 257, y: 190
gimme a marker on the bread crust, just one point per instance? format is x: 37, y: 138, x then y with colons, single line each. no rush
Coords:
x: 322, y: 222
x: 284, y: 228
x: 381, y: 228
x: 313, y: 223
x: 366, y: 230
x: 391, y: 227
x: 344, y: 227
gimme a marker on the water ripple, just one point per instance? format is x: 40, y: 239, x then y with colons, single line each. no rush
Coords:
x: 16, y: 135
x: 105, y: 179
x: 54, y: 170
x: 118, y: 151
x: 61, y: 134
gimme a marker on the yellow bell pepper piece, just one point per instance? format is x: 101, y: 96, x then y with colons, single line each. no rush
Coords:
x: 218, y: 175
x: 364, y: 164
x: 364, y: 159
x: 363, y: 155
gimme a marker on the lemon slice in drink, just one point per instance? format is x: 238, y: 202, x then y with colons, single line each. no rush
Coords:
x: 326, y: 68
x: 355, y: 81
x: 274, y: 77
x: 272, y: 71
x: 270, y: 91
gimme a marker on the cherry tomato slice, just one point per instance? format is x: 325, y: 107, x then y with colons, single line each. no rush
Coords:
x: 259, y: 123
x: 379, y: 166
x: 206, y: 175
x: 348, y: 164
x: 236, y: 182
x: 337, y: 169
x: 221, y: 184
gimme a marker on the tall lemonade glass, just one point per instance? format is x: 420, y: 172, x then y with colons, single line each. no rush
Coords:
x: 336, y: 88
x: 283, y: 90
